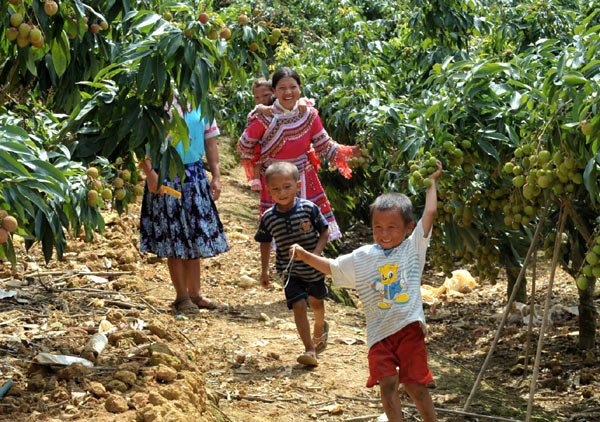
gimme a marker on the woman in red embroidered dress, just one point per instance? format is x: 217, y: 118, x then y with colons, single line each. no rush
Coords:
x: 287, y: 136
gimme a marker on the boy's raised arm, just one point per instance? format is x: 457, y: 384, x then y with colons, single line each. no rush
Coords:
x: 319, y: 263
x: 431, y: 201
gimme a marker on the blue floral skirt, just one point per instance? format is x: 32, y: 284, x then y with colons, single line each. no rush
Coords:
x: 188, y: 227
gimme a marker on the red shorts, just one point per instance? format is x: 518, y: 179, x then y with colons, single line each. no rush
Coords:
x: 403, y: 353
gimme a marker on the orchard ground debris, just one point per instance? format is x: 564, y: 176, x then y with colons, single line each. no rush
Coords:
x: 239, y: 364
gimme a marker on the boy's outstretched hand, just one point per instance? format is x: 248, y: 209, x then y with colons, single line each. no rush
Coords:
x: 297, y: 252
x: 319, y: 263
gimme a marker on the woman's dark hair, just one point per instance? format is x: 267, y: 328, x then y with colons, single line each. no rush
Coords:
x: 284, y: 72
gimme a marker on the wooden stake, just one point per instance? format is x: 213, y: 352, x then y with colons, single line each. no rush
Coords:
x: 534, y: 376
x: 531, y: 314
x: 508, y: 305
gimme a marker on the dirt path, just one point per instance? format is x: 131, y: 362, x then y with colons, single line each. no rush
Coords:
x: 241, y: 365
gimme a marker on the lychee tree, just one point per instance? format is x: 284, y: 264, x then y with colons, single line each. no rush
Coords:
x: 103, y: 73
x: 42, y: 191
x: 505, y: 96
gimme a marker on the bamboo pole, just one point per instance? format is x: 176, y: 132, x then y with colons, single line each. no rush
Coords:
x: 508, y: 305
x: 531, y: 314
x: 534, y: 376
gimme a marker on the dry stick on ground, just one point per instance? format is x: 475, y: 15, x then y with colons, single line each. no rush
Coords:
x: 67, y: 274
x: 246, y: 397
x: 508, y: 305
x: 361, y: 418
x: 534, y: 375
x: 214, y: 406
x: 531, y: 314
x: 437, y: 409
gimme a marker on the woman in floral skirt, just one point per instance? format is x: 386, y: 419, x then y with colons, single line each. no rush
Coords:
x: 188, y: 228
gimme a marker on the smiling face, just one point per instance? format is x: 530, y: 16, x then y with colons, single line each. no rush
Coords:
x: 283, y: 188
x: 262, y: 95
x: 389, y: 228
x: 287, y: 92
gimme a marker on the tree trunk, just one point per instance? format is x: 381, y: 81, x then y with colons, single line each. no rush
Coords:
x: 512, y: 273
x: 587, y: 317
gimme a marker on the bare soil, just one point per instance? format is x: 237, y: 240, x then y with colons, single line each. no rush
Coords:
x: 240, y: 364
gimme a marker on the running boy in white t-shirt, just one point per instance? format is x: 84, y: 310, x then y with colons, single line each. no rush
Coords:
x: 387, y: 276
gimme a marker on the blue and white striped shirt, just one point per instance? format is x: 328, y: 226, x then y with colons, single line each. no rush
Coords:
x: 389, y: 285
x: 302, y: 224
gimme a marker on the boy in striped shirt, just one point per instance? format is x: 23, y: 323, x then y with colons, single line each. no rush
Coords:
x: 387, y: 276
x: 295, y: 220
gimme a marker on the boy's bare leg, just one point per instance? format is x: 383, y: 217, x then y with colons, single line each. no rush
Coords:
x: 301, y: 318
x: 420, y: 395
x: 390, y: 398
x: 318, y: 308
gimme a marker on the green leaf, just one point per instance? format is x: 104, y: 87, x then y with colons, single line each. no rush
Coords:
x: 47, y: 169
x: 146, y: 19
x: 179, y: 130
x: 10, y: 252
x: 131, y: 116
x: 590, y: 179
x: 574, y: 80
x: 31, y: 59
x: 561, y: 66
x: 109, y: 71
x: 14, y: 132
x: 35, y: 198
x: 248, y: 34
x: 60, y: 54
x: 160, y: 73
x: 47, y: 242
x: 488, y: 149
x: 9, y: 163
x: 202, y: 71
x: 189, y: 53
x: 80, y: 7
x: 515, y: 101
x: 490, y: 69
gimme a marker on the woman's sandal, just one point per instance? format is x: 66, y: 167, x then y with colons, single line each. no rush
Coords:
x: 203, y: 303
x: 308, y: 359
x: 321, y: 342
x: 185, y: 306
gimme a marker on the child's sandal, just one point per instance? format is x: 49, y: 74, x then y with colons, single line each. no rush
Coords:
x: 321, y: 342
x: 308, y: 359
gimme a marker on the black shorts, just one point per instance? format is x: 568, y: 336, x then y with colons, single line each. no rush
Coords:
x: 298, y: 289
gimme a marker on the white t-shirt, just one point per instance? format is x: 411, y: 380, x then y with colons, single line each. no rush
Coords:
x: 388, y: 282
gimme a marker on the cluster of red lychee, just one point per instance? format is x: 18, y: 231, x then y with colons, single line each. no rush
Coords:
x: 95, y: 28
x: 224, y: 32
x: 25, y: 33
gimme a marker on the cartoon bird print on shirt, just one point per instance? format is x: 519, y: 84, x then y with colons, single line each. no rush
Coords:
x: 388, y: 287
